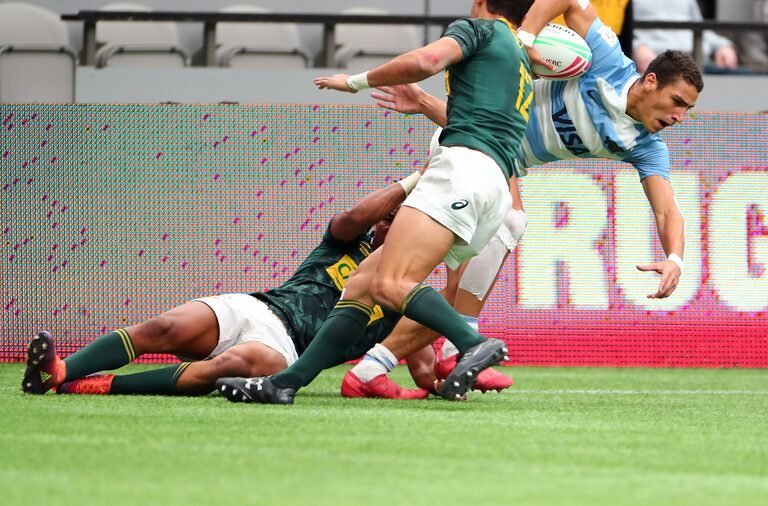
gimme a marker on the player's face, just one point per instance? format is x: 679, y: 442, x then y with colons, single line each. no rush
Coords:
x: 668, y: 105
x: 382, y: 228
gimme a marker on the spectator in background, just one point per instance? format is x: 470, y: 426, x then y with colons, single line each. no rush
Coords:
x: 753, y: 46
x: 753, y: 50
x: 649, y: 43
x: 618, y: 15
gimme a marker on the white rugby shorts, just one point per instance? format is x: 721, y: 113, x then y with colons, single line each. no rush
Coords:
x: 465, y: 191
x: 243, y: 319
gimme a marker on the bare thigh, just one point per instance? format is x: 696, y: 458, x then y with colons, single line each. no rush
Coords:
x: 191, y: 330
x: 415, y: 245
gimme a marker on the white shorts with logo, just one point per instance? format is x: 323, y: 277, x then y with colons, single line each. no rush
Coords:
x: 465, y: 191
x: 243, y: 319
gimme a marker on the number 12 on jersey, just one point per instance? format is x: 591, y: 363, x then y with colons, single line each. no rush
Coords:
x: 523, y: 104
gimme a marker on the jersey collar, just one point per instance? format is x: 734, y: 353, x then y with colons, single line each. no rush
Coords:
x: 509, y: 25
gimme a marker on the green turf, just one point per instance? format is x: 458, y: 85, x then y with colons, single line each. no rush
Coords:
x: 560, y: 436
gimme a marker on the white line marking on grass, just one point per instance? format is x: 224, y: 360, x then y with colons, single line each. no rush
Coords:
x: 639, y: 392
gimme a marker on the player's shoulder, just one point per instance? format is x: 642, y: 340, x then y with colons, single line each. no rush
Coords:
x: 475, y: 26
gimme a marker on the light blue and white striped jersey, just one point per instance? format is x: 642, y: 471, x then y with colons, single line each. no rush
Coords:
x: 586, y: 117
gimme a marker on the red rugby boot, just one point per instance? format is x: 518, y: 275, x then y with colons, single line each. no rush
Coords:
x: 45, y: 370
x: 380, y: 387
x: 97, y: 384
x: 488, y: 379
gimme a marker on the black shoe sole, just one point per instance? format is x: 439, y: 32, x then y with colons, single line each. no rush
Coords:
x: 233, y: 389
x: 249, y: 391
x: 40, y: 351
x: 464, y: 375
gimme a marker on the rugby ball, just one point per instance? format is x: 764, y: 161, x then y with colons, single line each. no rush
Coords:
x: 565, y: 49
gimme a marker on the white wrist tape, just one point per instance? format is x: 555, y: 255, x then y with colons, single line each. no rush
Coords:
x: 410, y: 182
x: 526, y: 38
x: 358, y: 81
x: 674, y: 257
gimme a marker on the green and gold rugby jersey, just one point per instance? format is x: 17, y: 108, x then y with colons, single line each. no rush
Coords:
x: 305, y: 300
x: 489, y: 91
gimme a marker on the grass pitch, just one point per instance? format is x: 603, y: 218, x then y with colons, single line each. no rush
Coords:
x: 559, y: 436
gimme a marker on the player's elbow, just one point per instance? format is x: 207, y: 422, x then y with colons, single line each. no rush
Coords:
x: 428, y: 62
x: 355, y: 220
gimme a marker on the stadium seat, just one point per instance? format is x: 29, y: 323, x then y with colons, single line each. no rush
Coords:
x: 362, y: 47
x: 36, y: 62
x: 258, y: 45
x: 137, y: 44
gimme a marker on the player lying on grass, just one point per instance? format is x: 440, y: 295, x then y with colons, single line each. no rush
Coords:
x: 609, y: 112
x: 239, y: 334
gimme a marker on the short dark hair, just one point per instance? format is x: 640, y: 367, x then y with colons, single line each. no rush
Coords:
x: 513, y: 10
x: 671, y: 66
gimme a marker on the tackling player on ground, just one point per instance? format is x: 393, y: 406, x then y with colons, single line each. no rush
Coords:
x: 239, y: 334
x: 609, y: 112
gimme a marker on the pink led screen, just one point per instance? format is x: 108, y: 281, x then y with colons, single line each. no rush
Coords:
x: 113, y: 214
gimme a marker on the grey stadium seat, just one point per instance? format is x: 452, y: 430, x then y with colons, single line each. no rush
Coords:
x: 362, y: 47
x: 36, y: 62
x: 138, y: 44
x: 259, y: 45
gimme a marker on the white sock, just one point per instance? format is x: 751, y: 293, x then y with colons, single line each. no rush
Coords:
x: 379, y: 360
x: 449, y: 349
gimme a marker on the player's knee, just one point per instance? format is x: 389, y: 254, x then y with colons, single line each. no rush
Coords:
x: 516, y: 222
x: 249, y: 364
x: 270, y: 363
x: 229, y: 364
x: 159, y: 331
x: 387, y: 291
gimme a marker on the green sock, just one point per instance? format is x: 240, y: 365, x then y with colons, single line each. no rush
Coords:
x: 424, y: 305
x: 158, y: 382
x: 108, y: 352
x: 344, y: 326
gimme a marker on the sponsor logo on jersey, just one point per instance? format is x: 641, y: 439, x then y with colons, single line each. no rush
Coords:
x: 461, y: 204
x: 340, y: 272
x: 567, y: 133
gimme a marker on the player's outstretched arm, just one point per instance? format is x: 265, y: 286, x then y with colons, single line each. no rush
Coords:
x: 670, y: 226
x: 412, y: 99
x: 411, y: 67
x: 373, y: 208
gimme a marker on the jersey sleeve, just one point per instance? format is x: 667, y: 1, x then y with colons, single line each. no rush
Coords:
x: 606, y: 50
x: 471, y: 34
x: 652, y: 160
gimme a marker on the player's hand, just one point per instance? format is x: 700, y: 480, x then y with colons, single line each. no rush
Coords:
x: 727, y: 57
x: 337, y: 82
x: 670, y: 277
x: 536, y: 59
x: 403, y: 98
